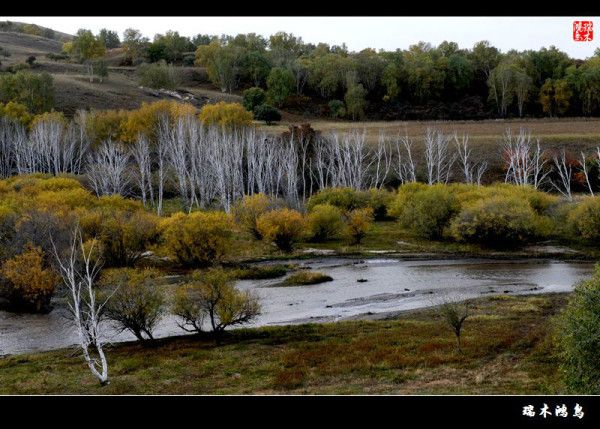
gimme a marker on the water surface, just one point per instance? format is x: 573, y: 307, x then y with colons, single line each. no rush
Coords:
x: 391, y: 285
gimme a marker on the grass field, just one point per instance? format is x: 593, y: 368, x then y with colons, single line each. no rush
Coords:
x: 506, y: 350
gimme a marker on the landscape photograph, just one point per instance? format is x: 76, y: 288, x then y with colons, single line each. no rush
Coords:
x: 300, y: 206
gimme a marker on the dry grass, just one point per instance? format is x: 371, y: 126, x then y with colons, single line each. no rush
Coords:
x: 304, y: 277
x: 505, y: 352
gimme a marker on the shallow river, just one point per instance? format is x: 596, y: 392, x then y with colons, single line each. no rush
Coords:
x: 392, y: 285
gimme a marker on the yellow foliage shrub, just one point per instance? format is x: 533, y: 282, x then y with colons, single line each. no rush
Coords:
x: 225, y: 115
x: 283, y: 227
x: 30, y: 284
x: 198, y: 238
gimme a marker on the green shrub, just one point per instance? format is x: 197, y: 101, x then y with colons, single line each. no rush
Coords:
x: 578, y: 340
x: 35, y: 91
x: 584, y: 219
x: 253, y: 97
x: 324, y: 222
x: 337, y: 109
x: 496, y: 221
x: 267, y: 113
x: 212, y: 295
x: 135, y: 302
x: 159, y: 75
x: 425, y: 210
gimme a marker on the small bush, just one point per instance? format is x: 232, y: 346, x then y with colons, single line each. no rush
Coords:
x: 425, y: 210
x: 324, y: 222
x: 578, y: 340
x: 283, y: 227
x: 496, y: 221
x: 123, y: 235
x: 135, y: 302
x: 198, y: 238
x: 346, y: 199
x: 358, y: 224
x: 261, y: 272
x: 159, y: 75
x: 303, y: 278
x: 247, y: 210
x: 28, y: 283
x: 337, y: 109
x: 211, y: 295
x: 253, y: 97
x: 225, y: 115
x: 267, y: 113
x: 584, y: 219
x: 379, y: 200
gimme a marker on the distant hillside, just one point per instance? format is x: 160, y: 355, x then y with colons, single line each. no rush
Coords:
x: 35, y: 30
x: 22, y: 45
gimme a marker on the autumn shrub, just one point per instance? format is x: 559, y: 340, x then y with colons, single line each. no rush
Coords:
x: 496, y: 221
x: 134, y: 300
x: 584, y: 219
x: 346, y: 199
x: 124, y: 236
x: 247, y: 210
x: 212, y: 296
x: 283, y: 227
x: 145, y: 120
x: 198, y: 238
x: 358, y: 223
x: 379, y: 200
x: 16, y: 112
x: 225, y: 115
x: 425, y: 210
x: 324, y: 222
x: 102, y: 125
x: 576, y: 334
x: 27, y: 281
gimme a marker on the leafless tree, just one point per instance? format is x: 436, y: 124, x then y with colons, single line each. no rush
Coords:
x: 107, y: 169
x: 79, y: 274
x: 564, y: 171
x: 438, y: 159
x: 12, y: 135
x: 525, y: 161
x: 383, y: 162
x: 140, y: 152
x: 472, y: 172
x: 405, y: 166
x: 585, y: 170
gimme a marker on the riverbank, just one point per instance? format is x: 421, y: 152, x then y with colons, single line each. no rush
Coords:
x: 506, y: 342
x: 389, y: 239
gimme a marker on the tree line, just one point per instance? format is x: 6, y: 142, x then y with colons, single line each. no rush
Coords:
x: 423, y: 81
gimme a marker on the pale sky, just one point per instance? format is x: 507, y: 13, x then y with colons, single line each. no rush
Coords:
x: 387, y: 33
